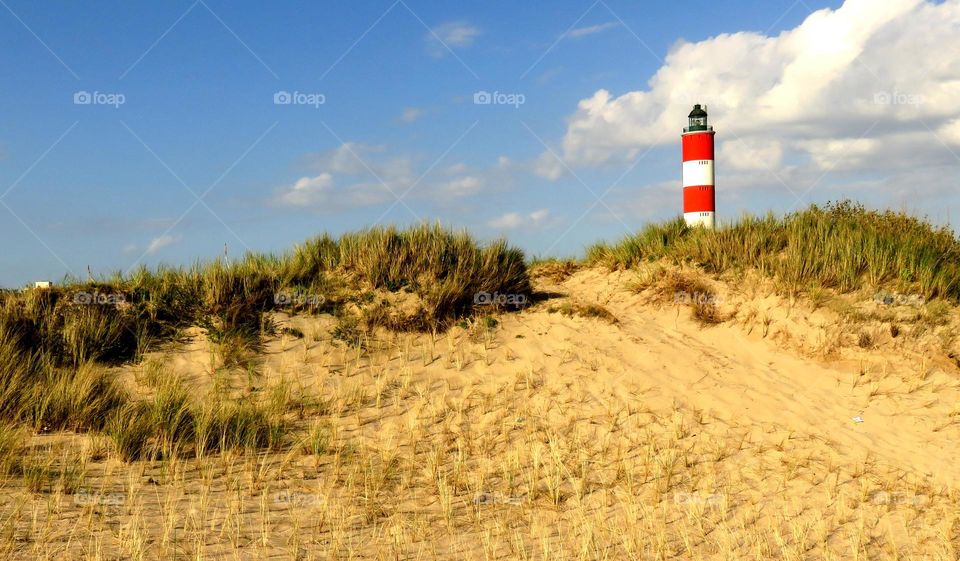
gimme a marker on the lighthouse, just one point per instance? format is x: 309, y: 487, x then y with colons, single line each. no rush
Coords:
x: 699, y: 203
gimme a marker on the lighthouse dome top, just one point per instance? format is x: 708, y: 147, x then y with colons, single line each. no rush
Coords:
x: 697, y: 112
x: 697, y: 120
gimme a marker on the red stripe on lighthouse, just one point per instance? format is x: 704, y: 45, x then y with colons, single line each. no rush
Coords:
x: 698, y: 146
x: 699, y: 199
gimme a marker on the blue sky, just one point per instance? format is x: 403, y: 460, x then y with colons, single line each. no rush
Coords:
x: 184, y: 148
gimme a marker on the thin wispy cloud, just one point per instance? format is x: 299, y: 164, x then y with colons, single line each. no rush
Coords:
x: 514, y: 220
x: 411, y: 114
x: 581, y: 32
x: 352, y: 175
x: 463, y: 186
x: 350, y: 158
x: 450, y: 35
x: 161, y: 242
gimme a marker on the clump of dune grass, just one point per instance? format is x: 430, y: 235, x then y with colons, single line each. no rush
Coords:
x: 223, y: 425
x: 72, y: 398
x: 686, y: 289
x: 172, y: 425
x: 130, y: 431
x: 118, y: 319
x: 445, y: 269
x: 71, y: 325
x: 706, y: 312
x: 842, y: 246
x: 35, y: 391
x: 175, y: 422
x: 588, y: 310
x: 557, y: 270
x: 318, y: 439
x: 349, y: 330
x: 12, y: 442
x: 171, y: 415
x: 47, y: 475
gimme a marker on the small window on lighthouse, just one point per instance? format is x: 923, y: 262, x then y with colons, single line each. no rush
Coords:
x: 697, y: 119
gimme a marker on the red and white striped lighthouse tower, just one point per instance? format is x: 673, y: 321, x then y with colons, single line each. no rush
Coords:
x: 699, y: 202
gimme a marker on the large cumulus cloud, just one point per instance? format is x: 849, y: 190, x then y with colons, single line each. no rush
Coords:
x: 873, y: 84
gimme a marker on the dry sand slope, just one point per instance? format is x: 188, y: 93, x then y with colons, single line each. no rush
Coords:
x: 660, y: 356
x: 554, y: 435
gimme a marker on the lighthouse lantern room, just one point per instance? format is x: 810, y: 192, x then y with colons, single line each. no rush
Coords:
x: 699, y: 202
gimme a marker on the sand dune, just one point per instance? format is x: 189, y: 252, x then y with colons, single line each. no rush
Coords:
x: 546, y: 435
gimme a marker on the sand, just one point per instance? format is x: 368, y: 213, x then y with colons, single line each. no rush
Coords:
x: 554, y: 436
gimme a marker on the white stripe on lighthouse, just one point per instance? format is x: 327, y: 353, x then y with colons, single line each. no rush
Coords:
x: 699, y: 219
x: 697, y: 172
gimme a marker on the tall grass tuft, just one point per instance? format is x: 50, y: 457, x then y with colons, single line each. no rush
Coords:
x: 236, y: 425
x: 130, y: 430
x: 445, y: 269
x: 173, y: 424
x: 841, y: 246
x: 48, y: 397
x: 171, y: 416
x: 12, y: 443
x: 72, y: 398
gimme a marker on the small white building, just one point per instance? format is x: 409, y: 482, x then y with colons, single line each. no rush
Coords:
x: 42, y: 284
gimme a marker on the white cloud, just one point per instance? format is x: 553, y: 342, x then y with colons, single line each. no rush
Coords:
x: 462, y: 187
x: 450, y: 35
x: 308, y: 191
x: 644, y: 203
x: 161, y: 242
x: 456, y: 168
x: 351, y: 158
x: 549, y: 166
x: 839, y: 91
x: 513, y: 220
x: 740, y: 154
x: 448, y: 187
x: 411, y: 114
x: 539, y: 216
x: 591, y: 29
x: 349, y: 176
x: 950, y: 132
x: 840, y: 153
x: 509, y: 220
